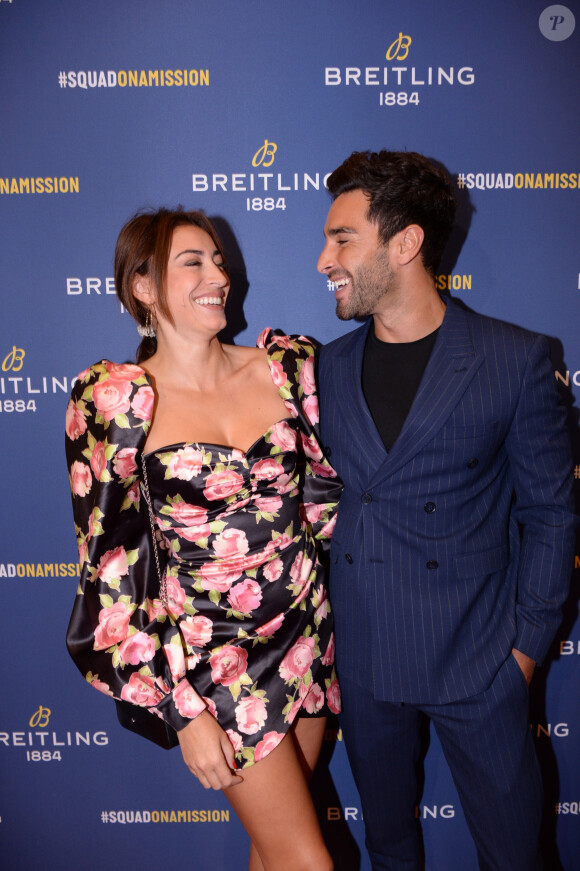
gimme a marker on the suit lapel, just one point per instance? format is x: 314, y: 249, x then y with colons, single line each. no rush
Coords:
x: 450, y: 369
x: 360, y: 429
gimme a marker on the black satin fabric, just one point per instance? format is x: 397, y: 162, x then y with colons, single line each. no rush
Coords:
x: 124, y: 641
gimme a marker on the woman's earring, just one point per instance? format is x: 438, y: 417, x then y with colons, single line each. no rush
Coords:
x: 147, y: 330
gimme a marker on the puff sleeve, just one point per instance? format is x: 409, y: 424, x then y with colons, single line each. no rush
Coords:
x: 292, y: 365
x: 120, y: 636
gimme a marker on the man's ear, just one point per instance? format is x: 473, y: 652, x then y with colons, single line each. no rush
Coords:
x: 409, y: 243
x: 141, y: 289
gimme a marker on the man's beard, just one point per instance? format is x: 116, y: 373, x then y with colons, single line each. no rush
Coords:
x: 368, y: 285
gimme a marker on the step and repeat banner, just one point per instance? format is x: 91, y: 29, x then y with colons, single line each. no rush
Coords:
x: 242, y: 109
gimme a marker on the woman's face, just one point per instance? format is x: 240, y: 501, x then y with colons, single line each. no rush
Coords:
x: 196, y: 283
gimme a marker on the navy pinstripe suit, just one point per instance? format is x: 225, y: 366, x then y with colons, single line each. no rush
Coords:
x: 456, y: 546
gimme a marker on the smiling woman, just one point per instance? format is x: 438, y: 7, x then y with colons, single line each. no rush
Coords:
x: 224, y: 631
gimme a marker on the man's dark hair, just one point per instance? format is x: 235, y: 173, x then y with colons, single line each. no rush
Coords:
x: 403, y: 187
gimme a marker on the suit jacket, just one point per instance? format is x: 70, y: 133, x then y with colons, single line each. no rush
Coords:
x: 456, y: 545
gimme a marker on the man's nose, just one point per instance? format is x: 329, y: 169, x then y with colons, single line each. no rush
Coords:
x: 324, y: 261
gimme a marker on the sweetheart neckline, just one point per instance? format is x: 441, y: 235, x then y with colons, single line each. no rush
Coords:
x: 187, y: 444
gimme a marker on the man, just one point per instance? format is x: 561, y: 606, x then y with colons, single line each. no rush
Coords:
x: 452, y: 553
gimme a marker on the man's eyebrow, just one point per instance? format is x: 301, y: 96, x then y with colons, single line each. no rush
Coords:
x: 335, y: 231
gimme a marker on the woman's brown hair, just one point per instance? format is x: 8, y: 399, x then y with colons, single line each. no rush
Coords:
x: 143, y: 248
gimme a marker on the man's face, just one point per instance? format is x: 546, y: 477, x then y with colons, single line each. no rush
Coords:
x: 354, y: 258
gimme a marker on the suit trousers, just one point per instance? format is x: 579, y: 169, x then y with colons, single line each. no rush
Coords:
x: 489, y: 748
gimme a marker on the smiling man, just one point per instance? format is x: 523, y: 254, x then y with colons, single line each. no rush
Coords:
x: 452, y: 553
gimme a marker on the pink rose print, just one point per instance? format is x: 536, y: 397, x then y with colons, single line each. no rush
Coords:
x: 270, y: 627
x: 251, y: 715
x: 185, y: 463
x: 230, y: 543
x: 101, y: 686
x: 192, y: 660
x: 176, y: 661
x: 155, y: 609
x: 298, y: 659
x: 267, y: 470
x: 328, y: 658
x: 300, y: 568
x: 282, y: 342
x: 194, y: 519
x: 175, y: 596
x: 80, y: 478
x: 314, y: 699
x: 98, y: 460
x: 300, y: 573
x: 322, y: 471
x: 267, y: 744
x: 278, y: 543
x: 313, y: 511
x: 286, y: 483
x: 273, y: 569
x: 306, y: 377
x: 92, y: 525
x: 142, y: 405
x: 310, y: 406
x: 220, y: 485
x: 137, y: 648
x: 75, y: 423
x: 333, y: 697
x: 323, y: 610
x: 277, y: 373
x: 311, y: 447
x: 113, y: 626
x: 211, y: 707
x: 113, y: 565
x: 219, y: 576
x: 228, y: 664
x: 112, y: 397
x: 294, y: 710
x: 133, y: 492
x: 197, y: 631
x: 141, y: 690
x: 261, y: 340
x: 187, y: 701
x: 236, y: 740
x: 123, y: 371
x: 269, y: 504
x: 189, y: 515
x: 194, y: 533
x: 245, y: 597
x: 326, y: 531
x: 283, y: 436
x: 124, y: 463
x: 83, y: 551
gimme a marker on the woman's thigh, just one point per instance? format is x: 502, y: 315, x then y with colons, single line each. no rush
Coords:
x: 275, y: 807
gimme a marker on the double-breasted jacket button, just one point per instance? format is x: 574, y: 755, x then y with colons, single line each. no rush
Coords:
x: 348, y: 558
x: 366, y: 498
x: 432, y: 564
x: 429, y: 507
x: 472, y: 463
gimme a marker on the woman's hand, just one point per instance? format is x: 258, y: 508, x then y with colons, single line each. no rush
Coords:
x: 208, y: 753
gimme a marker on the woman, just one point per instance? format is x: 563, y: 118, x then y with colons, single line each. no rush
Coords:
x: 234, y: 648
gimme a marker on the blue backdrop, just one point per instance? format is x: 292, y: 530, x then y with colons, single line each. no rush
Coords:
x: 242, y: 109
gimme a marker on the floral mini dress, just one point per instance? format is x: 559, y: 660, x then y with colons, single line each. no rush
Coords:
x: 246, y: 631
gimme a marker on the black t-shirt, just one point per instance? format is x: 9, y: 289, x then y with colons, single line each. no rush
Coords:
x: 391, y: 375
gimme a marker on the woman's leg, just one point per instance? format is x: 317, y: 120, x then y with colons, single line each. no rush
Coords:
x: 275, y: 806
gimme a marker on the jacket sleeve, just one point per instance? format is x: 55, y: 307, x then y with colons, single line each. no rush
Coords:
x: 120, y: 635
x: 294, y: 356
x: 541, y: 462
